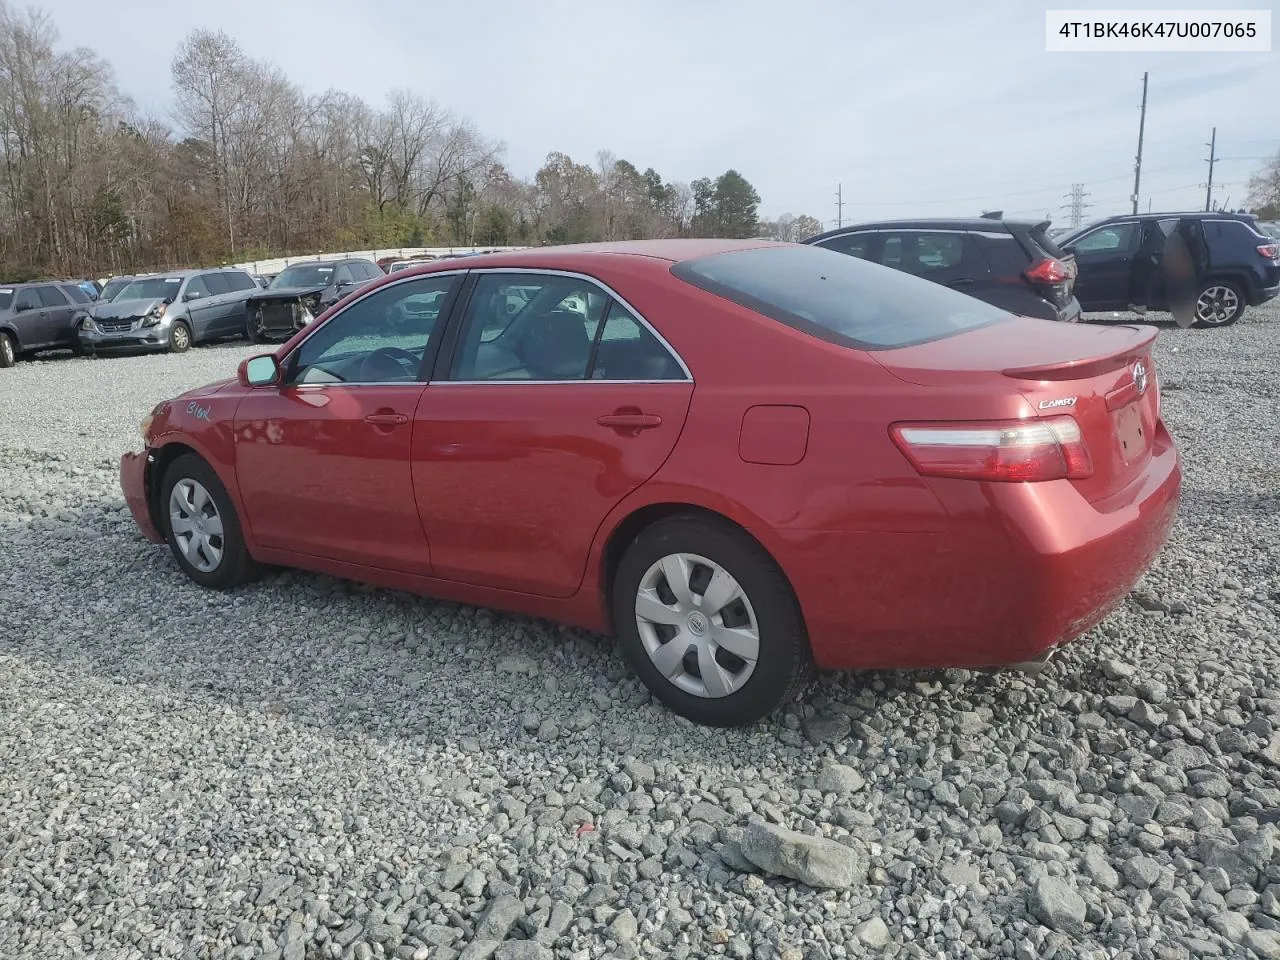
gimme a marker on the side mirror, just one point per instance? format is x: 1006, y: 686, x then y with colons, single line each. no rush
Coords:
x: 259, y: 371
x: 192, y: 295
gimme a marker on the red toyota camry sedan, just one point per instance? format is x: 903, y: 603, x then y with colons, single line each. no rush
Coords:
x: 743, y: 458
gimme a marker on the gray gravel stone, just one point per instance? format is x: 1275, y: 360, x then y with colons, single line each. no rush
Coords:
x: 1057, y: 905
x: 811, y: 860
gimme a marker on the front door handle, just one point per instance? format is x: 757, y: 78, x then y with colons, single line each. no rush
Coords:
x: 962, y: 282
x: 630, y: 421
x: 386, y: 419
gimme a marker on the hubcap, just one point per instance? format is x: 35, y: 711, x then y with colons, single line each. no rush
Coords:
x: 196, y: 525
x: 697, y: 625
x: 6, y: 348
x: 1217, y: 305
x: 180, y: 337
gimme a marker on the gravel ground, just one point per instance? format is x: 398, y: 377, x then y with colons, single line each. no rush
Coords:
x: 307, y: 768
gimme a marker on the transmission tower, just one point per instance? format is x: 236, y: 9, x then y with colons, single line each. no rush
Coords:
x: 1076, y: 204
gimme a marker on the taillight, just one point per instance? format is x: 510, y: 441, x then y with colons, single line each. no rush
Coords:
x: 1011, y: 451
x: 1048, y: 271
x: 1270, y: 250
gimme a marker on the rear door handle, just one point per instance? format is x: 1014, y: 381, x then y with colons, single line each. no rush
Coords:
x: 630, y: 421
x: 386, y: 419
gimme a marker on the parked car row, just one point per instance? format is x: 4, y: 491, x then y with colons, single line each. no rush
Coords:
x: 173, y: 310
x: 1114, y: 264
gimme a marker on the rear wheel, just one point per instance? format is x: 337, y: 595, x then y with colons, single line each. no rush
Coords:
x: 708, y: 622
x: 179, y: 337
x: 8, y: 353
x: 202, y: 527
x: 1219, y: 304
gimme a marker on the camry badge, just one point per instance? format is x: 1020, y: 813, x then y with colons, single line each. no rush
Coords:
x: 1140, y: 377
x: 1060, y: 402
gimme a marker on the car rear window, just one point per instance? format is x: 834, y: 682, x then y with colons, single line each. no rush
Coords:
x: 838, y: 298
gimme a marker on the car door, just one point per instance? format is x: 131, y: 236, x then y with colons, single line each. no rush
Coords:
x: 322, y: 461
x: 1146, y: 285
x: 200, y: 304
x: 537, y: 426
x: 1104, y: 264
x: 58, y: 314
x: 31, y: 317
x: 240, y: 286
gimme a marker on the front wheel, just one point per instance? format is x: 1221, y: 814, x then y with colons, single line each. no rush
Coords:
x: 1219, y: 304
x: 8, y: 355
x: 709, y: 622
x: 179, y: 337
x: 202, y: 527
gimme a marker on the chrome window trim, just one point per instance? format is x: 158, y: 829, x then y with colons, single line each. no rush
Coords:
x: 540, y: 271
x: 573, y: 274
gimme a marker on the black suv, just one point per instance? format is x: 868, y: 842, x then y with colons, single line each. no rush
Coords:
x: 1119, y: 262
x: 1009, y: 264
x: 39, y: 316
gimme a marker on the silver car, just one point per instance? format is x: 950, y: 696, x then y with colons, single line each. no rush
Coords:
x: 170, y: 311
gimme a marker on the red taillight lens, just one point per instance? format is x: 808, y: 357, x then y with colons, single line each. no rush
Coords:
x: 1013, y: 451
x: 1048, y: 271
x: 1270, y: 250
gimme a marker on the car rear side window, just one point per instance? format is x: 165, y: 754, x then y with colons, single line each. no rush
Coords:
x: 837, y: 298
x: 75, y: 294
x: 52, y: 297
x: 852, y: 244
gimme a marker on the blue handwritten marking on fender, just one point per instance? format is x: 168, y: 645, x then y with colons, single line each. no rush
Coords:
x: 197, y: 411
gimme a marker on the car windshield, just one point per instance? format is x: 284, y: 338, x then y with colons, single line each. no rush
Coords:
x: 304, y: 275
x: 839, y: 298
x: 152, y: 288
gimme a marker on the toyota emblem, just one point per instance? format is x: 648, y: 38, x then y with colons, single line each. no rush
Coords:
x: 1140, y: 377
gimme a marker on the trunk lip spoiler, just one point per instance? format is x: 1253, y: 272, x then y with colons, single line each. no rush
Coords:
x: 1145, y: 336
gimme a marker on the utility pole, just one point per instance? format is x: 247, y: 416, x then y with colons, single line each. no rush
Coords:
x: 1076, y: 206
x: 1213, y: 146
x: 839, y: 207
x: 1142, y: 123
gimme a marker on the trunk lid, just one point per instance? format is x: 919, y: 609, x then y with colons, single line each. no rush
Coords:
x: 1103, y: 377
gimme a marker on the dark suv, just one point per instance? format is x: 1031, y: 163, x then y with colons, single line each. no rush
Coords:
x: 1009, y: 264
x: 39, y: 316
x: 1119, y: 261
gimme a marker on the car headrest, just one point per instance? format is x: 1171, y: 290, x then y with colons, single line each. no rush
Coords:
x: 557, y: 347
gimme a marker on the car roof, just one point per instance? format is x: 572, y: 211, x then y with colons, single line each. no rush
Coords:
x: 673, y: 250
x: 1181, y: 214
x: 976, y: 224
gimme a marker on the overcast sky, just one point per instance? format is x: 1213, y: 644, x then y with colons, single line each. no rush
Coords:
x: 928, y: 107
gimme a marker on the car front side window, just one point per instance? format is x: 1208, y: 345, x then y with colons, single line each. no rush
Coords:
x: 1116, y: 238
x: 380, y: 338
x: 529, y: 327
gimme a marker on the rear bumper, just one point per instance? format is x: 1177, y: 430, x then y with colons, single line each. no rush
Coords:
x: 1264, y: 294
x: 1019, y: 570
x: 133, y: 481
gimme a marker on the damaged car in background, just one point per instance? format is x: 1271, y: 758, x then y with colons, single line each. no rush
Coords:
x: 170, y: 311
x: 301, y: 293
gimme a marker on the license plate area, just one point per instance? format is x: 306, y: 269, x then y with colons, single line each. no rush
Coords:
x: 1131, y: 432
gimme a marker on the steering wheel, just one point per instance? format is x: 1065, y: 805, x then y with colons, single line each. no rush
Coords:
x: 388, y: 358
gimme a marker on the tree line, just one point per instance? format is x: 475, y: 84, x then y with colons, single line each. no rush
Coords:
x: 250, y: 166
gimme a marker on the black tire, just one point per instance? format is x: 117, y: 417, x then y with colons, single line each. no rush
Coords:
x: 180, y: 339
x: 784, y: 661
x: 77, y: 348
x: 236, y: 567
x: 8, y: 352
x: 250, y: 329
x: 1220, y: 294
